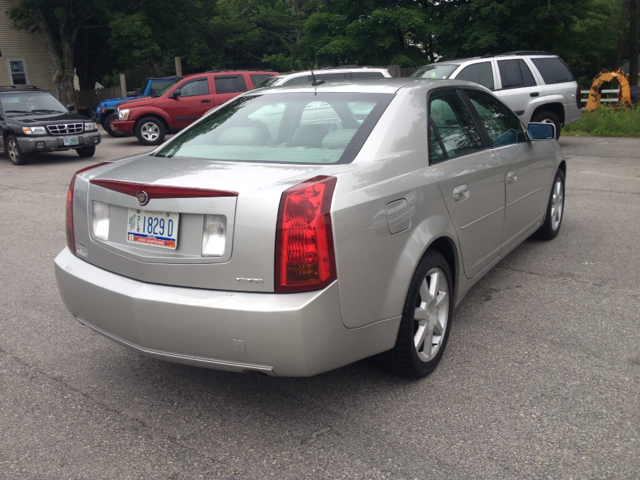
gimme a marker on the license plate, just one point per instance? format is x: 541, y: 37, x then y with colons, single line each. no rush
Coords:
x: 70, y: 141
x: 159, y: 229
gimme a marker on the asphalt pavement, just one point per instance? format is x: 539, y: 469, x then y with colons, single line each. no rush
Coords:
x: 541, y: 377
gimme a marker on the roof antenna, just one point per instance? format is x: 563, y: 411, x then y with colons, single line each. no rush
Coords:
x: 315, y: 82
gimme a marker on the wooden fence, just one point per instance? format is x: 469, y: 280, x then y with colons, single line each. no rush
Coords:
x: 86, y: 100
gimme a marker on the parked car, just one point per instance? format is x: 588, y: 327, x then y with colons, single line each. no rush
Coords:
x: 33, y: 120
x: 182, y: 102
x: 295, y: 230
x: 105, y: 110
x: 324, y: 73
x: 538, y: 86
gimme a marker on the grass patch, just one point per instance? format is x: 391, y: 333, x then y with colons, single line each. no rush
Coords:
x: 607, y: 122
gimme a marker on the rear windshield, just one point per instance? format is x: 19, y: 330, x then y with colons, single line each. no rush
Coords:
x: 553, y: 70
x: 312, y: 128
x: 437, y: 71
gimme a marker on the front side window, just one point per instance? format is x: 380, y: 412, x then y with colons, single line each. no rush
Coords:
x: 230, y: 84
x: 480, y: 73
x: 313, y: 128
x: 502, y: 126
x: 195, y: 88
x: 515, y: 73
x: 454, y: 124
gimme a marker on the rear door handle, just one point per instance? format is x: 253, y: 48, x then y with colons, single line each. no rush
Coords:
x: 461, y: 192
x: 534, y: 94
x: 512, y: 176
x: 205, y: 101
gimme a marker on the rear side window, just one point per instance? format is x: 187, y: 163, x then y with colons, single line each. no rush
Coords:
x: 515, y: 73
x: 365, y: 74
x: 230, y: 84
x: 194, y: 88
x: 454, y: 124
x: 480, y: 73
x: 553, y: 70
x: 256, y: 78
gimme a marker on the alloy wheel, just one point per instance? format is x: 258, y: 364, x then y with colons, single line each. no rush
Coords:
x: 431, y: 314
x: 557, y: 204
x: 150, y: 131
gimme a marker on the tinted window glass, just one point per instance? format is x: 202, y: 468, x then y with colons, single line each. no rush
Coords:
x: 553, y: 70
x: 436, y: 154
x: 267, y: 82
x: 365, y: 74
x: 515, y: 73
x: 194, y: 88
x: 256, y: 78
x: 313, y: 128
x: 454, y: 124
x: 230, y: 84
x: 481, y: 73
x: 501, y: 124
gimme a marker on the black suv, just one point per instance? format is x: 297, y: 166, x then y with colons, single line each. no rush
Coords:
x: 32, y: 120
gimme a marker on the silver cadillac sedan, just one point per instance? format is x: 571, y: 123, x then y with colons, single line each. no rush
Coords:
x: 298, y: 229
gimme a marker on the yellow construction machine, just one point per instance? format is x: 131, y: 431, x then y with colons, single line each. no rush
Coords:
x: 596, y: 88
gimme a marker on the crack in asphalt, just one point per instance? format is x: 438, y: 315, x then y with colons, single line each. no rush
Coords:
x: 560, y: 277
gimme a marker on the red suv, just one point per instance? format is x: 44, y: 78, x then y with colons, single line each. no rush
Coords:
x: 182, y: 102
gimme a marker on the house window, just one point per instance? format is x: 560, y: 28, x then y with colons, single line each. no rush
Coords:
x: 18, y: 71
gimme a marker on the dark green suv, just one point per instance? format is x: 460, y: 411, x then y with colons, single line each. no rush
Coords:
x: 32, y: 120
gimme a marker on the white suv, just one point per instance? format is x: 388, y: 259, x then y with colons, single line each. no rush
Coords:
x: 538, y: 86
x: 325, y: 73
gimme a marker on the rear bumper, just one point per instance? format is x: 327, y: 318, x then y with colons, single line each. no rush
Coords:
x: 298, y: 334
x: 35, y: 144
x: 123, y: 126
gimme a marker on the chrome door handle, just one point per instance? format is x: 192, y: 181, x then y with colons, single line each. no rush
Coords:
x: 512, y: 176
x: 461, y: 192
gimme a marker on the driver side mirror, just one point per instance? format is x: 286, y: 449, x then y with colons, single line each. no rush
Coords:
x: 175, y: 94
x: 541, y: 131
x: 71, y: 108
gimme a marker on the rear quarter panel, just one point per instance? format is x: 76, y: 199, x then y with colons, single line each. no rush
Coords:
x: 375, y: 267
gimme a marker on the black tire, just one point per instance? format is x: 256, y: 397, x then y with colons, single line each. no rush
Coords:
x: 106, y: 124
x: 555, y: 210
x: 548, y: 117
x: 406, y: 358
x: 86, y: 152
x: 150, y: 131
x: 12, y: 150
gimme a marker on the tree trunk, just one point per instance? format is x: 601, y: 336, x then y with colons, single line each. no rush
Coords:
x: 623, y: 28
x: 634, y: 13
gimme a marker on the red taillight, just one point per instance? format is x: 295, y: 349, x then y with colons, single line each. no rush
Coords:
x: 579, y: 97
x: 71, y: 239
x: 305, y: 259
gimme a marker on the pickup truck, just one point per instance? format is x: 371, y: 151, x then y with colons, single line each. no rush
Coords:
x: 105, y: 110
x: 182, y: 103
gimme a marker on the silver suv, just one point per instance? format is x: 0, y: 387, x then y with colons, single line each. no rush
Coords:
x: 325, y: 73
x: 538, y: 86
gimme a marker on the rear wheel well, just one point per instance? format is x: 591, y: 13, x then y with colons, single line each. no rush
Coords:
x: 556, y: 108
x: 445, y: 247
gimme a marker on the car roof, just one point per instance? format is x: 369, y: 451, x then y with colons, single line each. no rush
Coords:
x: 369, y: 85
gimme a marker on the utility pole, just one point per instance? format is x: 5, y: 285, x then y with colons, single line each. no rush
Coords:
x: 634, y: 13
